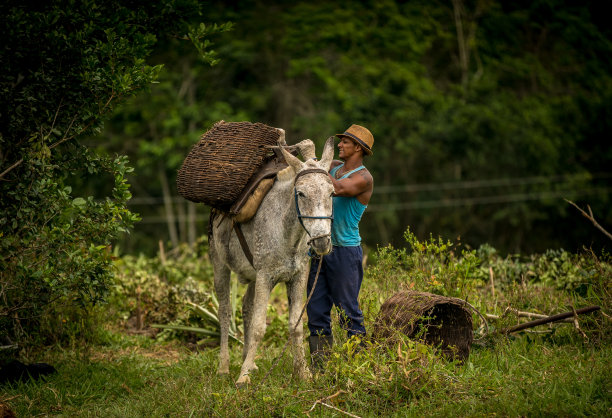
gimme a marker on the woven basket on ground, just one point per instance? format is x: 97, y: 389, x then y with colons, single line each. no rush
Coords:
x: 219, y: 166
x: 443, y: 321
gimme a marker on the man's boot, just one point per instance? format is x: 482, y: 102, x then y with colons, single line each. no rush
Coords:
x: 320, y: 350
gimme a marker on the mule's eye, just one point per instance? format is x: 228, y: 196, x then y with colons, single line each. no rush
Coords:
x: 300, y: 194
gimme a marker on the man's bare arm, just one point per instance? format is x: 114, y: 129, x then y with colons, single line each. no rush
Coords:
x: 356, y: 184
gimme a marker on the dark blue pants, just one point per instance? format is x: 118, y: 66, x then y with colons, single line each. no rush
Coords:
x: 338, y: 284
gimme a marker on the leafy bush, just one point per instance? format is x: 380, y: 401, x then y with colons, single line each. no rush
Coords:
x: 430, y: 266
x: 66, y: 65
x: 150, y: 290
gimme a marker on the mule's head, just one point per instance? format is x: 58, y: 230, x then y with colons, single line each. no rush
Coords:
x: 313, y: 192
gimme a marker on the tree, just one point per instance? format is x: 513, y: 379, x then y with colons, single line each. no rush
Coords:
x: 486, y: 114
x: 66, y: 65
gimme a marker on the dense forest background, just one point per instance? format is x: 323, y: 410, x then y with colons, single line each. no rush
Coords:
x: 486, y: 114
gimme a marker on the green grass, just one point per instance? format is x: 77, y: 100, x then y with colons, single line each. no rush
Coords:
x: 133, y: 377
x: 565, y: 372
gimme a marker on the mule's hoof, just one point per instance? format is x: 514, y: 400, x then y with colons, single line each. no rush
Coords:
x: 223, y: 372
x: 243, y: 381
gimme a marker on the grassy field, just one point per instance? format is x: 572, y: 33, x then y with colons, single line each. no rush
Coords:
x: 557, y: 370
x: 134, y: 377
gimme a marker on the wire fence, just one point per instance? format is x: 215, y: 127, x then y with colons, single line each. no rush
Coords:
x: 568, y: 186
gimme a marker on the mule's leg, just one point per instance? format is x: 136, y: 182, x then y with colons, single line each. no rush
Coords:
x: 247, y: 313
x: 222, y: 289
x: 256, y: 327
x: 295, y: 292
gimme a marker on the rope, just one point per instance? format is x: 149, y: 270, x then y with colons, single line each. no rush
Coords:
x: 294, y: 328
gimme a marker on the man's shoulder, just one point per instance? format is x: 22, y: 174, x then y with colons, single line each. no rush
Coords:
x: 365, y: 173
x: 365, y: 178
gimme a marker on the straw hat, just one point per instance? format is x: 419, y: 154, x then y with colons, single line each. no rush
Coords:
x: 361, y: 135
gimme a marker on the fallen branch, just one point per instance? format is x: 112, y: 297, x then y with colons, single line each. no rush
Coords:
x: 548, y: 319
x: 523, y: 314
x: 590, y: 217
x: 8, y: 347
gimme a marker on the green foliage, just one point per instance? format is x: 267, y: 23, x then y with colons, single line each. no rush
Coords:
x: 174, y: 293
x: 66, y: 65
x: 48, y: 255
x: 528, y: 107
x: 157, y: 129
x: 199, y: 37
x: 433, y: 266
x: 211, y: 327
x: 150, y: 290
x: 400, y: 373
x: 553, y: 282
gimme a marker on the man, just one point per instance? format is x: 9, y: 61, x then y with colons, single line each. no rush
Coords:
x: 341, y: 271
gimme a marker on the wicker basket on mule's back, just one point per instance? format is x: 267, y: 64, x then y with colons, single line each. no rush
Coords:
x: 219, y: 166
x: 441, y: 321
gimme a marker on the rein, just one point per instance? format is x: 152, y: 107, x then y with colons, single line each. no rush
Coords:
x: 297, y: 206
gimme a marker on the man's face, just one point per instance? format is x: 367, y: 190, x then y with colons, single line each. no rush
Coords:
x: 347, y: 147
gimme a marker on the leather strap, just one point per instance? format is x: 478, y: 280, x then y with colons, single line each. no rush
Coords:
x: 243, y: 243
x: 308, y: 171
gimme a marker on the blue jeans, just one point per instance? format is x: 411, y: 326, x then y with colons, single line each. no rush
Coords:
x: 338, y: 284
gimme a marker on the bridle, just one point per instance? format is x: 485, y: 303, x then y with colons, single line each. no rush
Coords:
x: 297, y: 206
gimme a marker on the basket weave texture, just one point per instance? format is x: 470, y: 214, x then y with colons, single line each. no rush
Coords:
x: 219, y: 166
x: 445, y: 321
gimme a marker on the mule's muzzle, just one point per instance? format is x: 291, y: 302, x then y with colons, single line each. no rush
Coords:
x: 321, y: 244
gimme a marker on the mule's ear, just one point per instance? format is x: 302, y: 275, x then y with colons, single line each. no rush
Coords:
x: 328, y: 154
x: 293, y: 161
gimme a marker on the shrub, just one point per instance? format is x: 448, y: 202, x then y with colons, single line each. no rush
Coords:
x: 65, y: 66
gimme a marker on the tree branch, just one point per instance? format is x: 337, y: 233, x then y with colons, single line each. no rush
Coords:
x: 553, y: 318
x: 10, y: 168
x: 65, y: 137
x: 590, y: 217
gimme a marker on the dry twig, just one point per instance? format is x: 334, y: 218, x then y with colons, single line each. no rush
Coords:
x: 322, y: 402
x: 590, y: 217
x: 578, y: 326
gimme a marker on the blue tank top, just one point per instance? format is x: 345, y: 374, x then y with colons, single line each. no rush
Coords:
x: 347, y: 214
